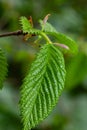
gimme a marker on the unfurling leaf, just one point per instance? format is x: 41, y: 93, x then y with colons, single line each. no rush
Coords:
x: 61, y: 38
x: 42, y: 86
x: 46, y: 18
x: 27, y: 26
x: 47, y: 27
x: 3, y: 68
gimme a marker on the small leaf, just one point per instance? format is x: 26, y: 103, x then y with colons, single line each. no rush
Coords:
x: 27, y: 26
x: 42, y: 86
x: 47, y: 27
x: 3, y: 68
x: 61, y: 38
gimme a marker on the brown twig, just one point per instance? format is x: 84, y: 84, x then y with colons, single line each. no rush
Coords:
x: 15, y: 33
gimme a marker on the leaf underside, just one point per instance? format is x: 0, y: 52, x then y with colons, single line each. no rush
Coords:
x: 42, y: 86
x: 3, y: 68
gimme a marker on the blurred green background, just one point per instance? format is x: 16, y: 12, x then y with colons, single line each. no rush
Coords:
x: 67, y: 16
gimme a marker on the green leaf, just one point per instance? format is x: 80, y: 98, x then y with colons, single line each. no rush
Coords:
x: 47, y: 27
x: 61, y: 38
x: 42, y: 86
x: 3, y: 68
x: 27, y: 27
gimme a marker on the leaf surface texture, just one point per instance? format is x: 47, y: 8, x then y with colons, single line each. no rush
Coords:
x: 42, y: 86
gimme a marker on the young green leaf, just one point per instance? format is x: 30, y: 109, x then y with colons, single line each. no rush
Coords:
x: 3, y: 68
x: 61, y: 38
x: 73, y: 48
x: 27, y: 27
x: 47, y: 27
x: 42, y: 86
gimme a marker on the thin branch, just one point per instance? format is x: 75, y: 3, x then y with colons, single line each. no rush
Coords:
x: 15, y: 33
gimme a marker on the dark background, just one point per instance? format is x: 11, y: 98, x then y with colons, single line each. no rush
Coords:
x: 67, y: 16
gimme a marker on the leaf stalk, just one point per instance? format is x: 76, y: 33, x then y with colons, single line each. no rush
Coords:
x: 46, y: 37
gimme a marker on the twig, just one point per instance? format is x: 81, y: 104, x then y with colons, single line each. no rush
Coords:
x: 16, y: 33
